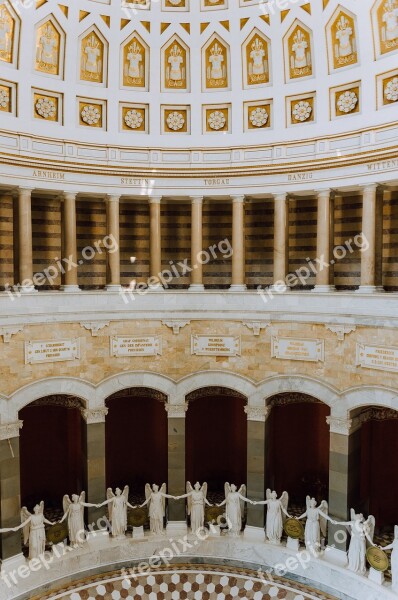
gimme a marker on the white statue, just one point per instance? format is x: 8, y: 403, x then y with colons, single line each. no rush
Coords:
x: 47, y: 53
x: 344, y: 46
x: 276, y: 513
x: 360, y: 531
x: 394, y: 559
x: 117, y: 506
x: 34, y: 533
x: 74, y: 512
x: 216, y: 59
x: 316, y: 524
x: 134, y: 58
x: 299, y: 47
x: 157, y: 506
x: 390, y: 20
x: 196, y: 500
x: 234, y: 501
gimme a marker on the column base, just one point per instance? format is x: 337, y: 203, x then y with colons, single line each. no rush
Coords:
x: 27, y: 289
x: 111, y: 287
x: 237, y: 287
x: 293, y: 544
x: 370, y: 289
x: 277, y: 289
x: 376, y: 576
x: 138, y: 533
x: 335, y: 556
x: 176, y: 528
x: 196, y: 287
x: 156, y: 288
x: 70, y: 288
x: 324, y: 289
x: 254, y: 533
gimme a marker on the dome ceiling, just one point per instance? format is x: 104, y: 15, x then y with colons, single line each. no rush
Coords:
x: 151, y: 73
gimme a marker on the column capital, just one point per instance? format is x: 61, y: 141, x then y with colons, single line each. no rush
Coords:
x: 10, y: 430
x: 324, y: 193
x: 94, y: 415
x: 196, y: 199
x: 66, y: 194
x: 280, y: 196
x: 112, y: 198
x: 176, y: 411
x: 343, y: 426
x: 155, y: 199
x: 239, y: 199
x: 370, y: 187
x: 257, y: 413
x: 25, y: 191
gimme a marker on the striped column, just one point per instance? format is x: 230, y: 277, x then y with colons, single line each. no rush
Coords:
x: 10, y: 494
x: 344, y: 475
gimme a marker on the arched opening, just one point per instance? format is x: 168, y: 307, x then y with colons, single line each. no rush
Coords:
x: 298, y: 447
x: 378, y: 489
x: 136, y: 440
x: 51, y: 450
x: 216, y: 438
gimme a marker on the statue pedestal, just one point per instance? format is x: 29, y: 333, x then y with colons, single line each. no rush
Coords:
x: 376, y: 576
x: 293, y: 544
x: 175, y: 528
x: 214, y: 531
x: 96, y: 534
x: 254, y: 533
x: 335, y: 556
x: 138, y: 533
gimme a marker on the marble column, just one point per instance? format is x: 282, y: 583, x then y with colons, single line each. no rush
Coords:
x: 155, y: 243
x: 281, y: 242
x: 176, y: 465
x: 25, y: 249
x: 94, y: 451
x: 370, y: 208
x: 344, y: 475
x: 256, y: 418
x: 70, y: 283
x: 324, y: 243
x: 238, y: 244
x: 10, y: 494
x: 196, y: 243
x: 113, y: 250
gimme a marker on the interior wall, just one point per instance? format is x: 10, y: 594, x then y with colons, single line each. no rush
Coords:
x: 136, y: 442
x: 299, y: 450
x: 91, y: 228
x: 216, y: 441
x: 217, y: 226
x: 176, y: 241
x: 51, y: 454
x: 6, y: 241
x: 259, y: 226
x: 390, y: 242
x: 46, y: 238
x: 302, y: 236
x: 347, y: 224
x: 134, y: 242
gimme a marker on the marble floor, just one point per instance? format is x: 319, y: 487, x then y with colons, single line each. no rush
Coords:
x: 186, y: 582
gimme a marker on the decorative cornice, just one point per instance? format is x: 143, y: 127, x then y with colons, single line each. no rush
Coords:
x: 286, y: 398
x: 175, y: 411
x: 95, y: 326
x: 94, y: 415
x: 341, y: 330
x: 256, y: 326
x: 257, y: 413
x: 176, y: 325
x: 8, y: 331
x: 214, y: 391
x: 61, y: 400
x: 10, y: 430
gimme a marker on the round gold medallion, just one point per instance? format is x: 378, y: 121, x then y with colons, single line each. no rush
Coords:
x: 137, y: 517
x: 294, y: 529
x: 57, y: 533
x: 377, y: 559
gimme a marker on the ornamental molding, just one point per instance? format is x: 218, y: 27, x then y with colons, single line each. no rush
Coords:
x: 95, y: 326
x: 343, y: 426
x: 10, y: 430
x: 256, y: 326
x: 69, y: 402
x: 94, y: 415
x: 139, y: 392
x: 212, y: 391
x: 341, y: 330
x: 287, y: 398
x: 176, y: 410
x: 176, y: 325
x: 257, y: 413
x: 8, y: 331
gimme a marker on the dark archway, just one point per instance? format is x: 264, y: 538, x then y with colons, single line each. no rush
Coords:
x: 51, y: 457
x: 298, y: 447
x: 378, y: 494
x: 216, y: 437
x: 136, y: 439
